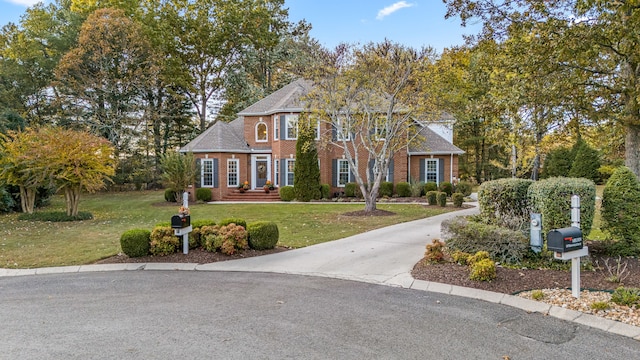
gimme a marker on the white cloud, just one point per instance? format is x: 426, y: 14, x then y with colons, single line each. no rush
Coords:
x: 392, y: 8
x: 25, y: 2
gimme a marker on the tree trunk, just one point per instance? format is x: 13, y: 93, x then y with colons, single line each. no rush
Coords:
x: 72, y: 197
x: 369, y: 203
x: 27, y: 199
x: 632, y: 149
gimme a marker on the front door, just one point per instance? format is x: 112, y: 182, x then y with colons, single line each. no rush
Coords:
x: 261, y: 173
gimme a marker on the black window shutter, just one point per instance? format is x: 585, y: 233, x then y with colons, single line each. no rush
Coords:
x: 441, y: 170
x: 215, y: 173
x: 422, y: 169
x: 198, y: 172
x: 283, y: 127
x: 334, y: 172
x: 283, y: 172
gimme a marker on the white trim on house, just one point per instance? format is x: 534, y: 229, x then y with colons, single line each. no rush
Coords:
x: 293, y: 127
x: 265, y: 132
x: 289, y: 171
x: 207, y: 172
x: 431, y: 171
x: 254, y: 169
x: 341, y: 171
x: 276, y: 128
x: 236, y: 165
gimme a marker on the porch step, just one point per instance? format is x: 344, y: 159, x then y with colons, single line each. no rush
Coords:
x: 252, y: 195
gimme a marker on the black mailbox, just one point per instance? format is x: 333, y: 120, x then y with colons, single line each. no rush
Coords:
x: 180, y: 221
x: 565, y: 239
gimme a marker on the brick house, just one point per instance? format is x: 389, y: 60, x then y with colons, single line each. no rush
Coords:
x: 260, y: 146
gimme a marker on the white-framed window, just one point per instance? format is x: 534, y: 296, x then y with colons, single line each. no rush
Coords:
x: 343, y: 172
x: 276, y: 171
x: 431, y: 170
x: 291, y: 164
x: 233, y: 178
x: 206, y: 180
x: 342, y: 130
x: 276, y: 127
x: 291, y: 123
x: 316, y: 131
x: 380, y: 130
x: 261, y: 132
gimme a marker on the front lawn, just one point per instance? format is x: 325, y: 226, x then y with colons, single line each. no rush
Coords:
x: 29, y: 244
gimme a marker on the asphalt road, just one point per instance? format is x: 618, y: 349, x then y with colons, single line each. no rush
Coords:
x: 237, y: 315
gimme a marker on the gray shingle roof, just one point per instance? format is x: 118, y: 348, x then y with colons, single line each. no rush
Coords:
x: 221, y: 137
x: 286, y: 99
x: 432, y: 143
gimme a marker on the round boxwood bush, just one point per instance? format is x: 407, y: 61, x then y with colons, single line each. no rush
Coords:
x: 403, y: 189
x: 163, y: 241
x: 432, y: 197
x: 170, y: 195
x: 287, y: 193
x: 203, y: 194
x: 263, y: 235
x: 135, y: 242
x: 442, y: 199
x: 446, y: 187
x: 505, y: 202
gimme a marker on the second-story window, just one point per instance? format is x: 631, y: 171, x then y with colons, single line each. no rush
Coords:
x: 276, y: 127
x: 291, y: 122
x: 261, y: 132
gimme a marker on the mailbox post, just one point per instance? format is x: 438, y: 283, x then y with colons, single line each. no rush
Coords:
x: 567, y: 243
x: 181, y: 223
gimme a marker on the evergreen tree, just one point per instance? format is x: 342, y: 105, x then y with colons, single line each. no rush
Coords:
x: 620, y: 211
x: 586, y: 162
x: 306, y: 180
x: 558, y: 163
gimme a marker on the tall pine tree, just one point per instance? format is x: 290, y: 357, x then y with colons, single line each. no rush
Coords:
x: 306, y: 180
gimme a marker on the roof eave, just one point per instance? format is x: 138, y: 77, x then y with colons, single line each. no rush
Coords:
x: 271, y: 112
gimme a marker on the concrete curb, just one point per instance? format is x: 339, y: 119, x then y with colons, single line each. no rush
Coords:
x: 400, y: 280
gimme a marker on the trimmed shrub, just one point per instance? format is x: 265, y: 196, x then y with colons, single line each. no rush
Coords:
x: 417, y: 188
x: 434, y: 253
x: 163, y: 242
x: 446, y: 187
x: 203, y: 194
x: 432, y: 197
x: 620, y: 211
x: 552, y: 198
x: 458, y: 199
x: 606, y: 171
x: 483, y: 270
x: 504, y: 245
x: 386, y: 189
x: 464, y: 188
x: 350, y: 189
x: 263, y: 235
x: 170, y: 195
x: 237, y: 221
x: 403, y: 189
x: 478, y: 256
x: 232, y: 238
x: 505, y: 202
x: 325, y: 189
x: 442, y: 199
x: 135, y: 242
x: 460, y: 257
x: 287, y: 193
x: 430, y: 186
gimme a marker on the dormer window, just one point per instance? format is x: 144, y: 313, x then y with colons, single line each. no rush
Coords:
x: 261, y: 132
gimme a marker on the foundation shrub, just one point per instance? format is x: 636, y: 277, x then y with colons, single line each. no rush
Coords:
x: 442, y: 199
x: 195, y: 236
x: 163, y: 242
x: 232, y: 239
x: 135, y: 242
x: 208, y: 237
x: 434, y: 252
x: 432, y: 197
x: 417, y: 188
x: 203, y: 194
x: 263, y: 235
x: 483, y: 270
x: 287, y: 193
x: 478, y: 256
x: 464, y: 188
x: 505, y: 202
x: 458, y: 199
x: 386, y: 189
x: 503, y: 245
x: 552, y: 198
x: 325, y: 190
x: 351, y: 189
x: 403, y: 189
x: 430, y: 186
x: 446, y: 187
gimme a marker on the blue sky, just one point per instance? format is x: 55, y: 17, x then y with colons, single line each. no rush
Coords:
x: 415, y: 23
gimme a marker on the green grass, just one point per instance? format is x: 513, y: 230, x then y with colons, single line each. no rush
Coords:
x: 29, y: 244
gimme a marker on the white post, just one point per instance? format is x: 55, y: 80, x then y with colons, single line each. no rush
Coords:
x: 185, y: 236
x: 575, y: 262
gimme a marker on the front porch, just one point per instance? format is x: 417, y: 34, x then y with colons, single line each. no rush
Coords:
x: 252, y: 196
